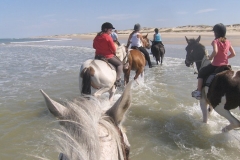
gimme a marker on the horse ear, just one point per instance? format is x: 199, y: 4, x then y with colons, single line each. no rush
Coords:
x: 54, y: 107
x: 198, y: 39
x: 187, y: 39
x: 118, y: 110
x: 146, y: 35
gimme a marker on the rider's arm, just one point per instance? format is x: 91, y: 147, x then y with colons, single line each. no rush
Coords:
x: 215, y: 50
x: 129, y: 40
x: 154, y: 36
x: 232, y: 51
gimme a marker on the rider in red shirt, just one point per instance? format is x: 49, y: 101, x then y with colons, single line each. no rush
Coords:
x: 104, y: 46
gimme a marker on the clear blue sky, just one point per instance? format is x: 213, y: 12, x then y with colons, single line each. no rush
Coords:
x: 28, y: 18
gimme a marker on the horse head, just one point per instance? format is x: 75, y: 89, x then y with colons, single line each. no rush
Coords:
x: 195, y: 52
x: 146, y: 42
x: 91, y: 133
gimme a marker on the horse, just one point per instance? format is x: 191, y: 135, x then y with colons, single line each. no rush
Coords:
x: 89, y: 133
x: 136, y: 61
x: 223, y: 93
x: 158, y: 52
x: 100, y: 75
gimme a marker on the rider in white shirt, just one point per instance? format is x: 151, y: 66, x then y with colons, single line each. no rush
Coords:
x: 135, y: 38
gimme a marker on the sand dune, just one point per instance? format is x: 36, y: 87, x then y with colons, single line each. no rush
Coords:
x: 175, y: 35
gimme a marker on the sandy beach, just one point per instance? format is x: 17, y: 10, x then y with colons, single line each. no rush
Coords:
x: 174, y: 35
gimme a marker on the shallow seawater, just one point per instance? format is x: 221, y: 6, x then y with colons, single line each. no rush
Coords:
x: 164, y: 121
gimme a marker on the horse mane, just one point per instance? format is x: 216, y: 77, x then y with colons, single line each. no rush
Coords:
x: 79, y: 138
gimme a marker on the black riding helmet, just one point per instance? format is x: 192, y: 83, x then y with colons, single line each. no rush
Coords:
x: 107, y: 25
x: 220, y: 30
x: 137, y: 27
x: 156, y: 30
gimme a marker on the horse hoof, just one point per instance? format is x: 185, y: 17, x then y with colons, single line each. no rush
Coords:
x: 224, y: 130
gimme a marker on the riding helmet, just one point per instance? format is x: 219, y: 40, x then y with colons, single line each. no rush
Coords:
x: 156, y: 30
x: 220, y: 30
x: 137, y: 27
x: 107, y: 25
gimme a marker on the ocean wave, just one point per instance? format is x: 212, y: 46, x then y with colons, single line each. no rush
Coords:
x: 40, y: 41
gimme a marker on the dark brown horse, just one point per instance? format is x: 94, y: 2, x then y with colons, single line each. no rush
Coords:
x: 158, y: 52
x: 224, y: 91
x: 136, y: 61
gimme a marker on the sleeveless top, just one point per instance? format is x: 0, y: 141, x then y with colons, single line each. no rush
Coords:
x: 222, y: 55
x: 157, y: 37
x: 135, y: 41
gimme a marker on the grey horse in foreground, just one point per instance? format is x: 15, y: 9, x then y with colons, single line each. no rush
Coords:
x: 90, y: 133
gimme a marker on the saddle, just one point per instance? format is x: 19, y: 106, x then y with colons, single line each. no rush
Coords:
x: 134, y: 47
x: 160, y: 44
x: 100, y: 57
x: 207, y: 81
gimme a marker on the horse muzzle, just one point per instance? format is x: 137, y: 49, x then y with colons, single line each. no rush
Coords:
x: 188, y: 63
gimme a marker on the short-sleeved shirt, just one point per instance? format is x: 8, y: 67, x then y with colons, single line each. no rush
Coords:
x: 114, y: 36
x: 222, y: 55
x: 157, y: 37
x: 104, y: 45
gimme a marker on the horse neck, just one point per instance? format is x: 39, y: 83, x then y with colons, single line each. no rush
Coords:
x: 121, y: 53
x: 201, y: 56
x: 205, y: 61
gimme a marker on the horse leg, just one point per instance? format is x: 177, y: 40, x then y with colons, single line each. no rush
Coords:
x: 138, y: 72
x: 99, y: 92
x: 126, y: 75
x: 111, y: 93
x: 203, y: 105
x: 142, y: 76
x: 161, y: 59
x: 234, y: 122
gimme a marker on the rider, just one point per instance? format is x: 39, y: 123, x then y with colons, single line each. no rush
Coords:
x: 104, y: 46
x: 221, y: 46
x: 136, y: 40
x: 157, y: 37
x: 114, y: 36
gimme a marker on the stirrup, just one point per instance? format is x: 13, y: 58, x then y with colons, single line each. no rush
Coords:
x: 117, y: 83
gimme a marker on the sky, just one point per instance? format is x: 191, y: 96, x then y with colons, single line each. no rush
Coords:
x: 31, y: 18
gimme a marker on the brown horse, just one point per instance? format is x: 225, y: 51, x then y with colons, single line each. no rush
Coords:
x: 223, y: 93
x: 136, y: 61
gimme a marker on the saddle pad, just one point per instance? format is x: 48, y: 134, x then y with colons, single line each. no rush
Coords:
x: 209, y: 79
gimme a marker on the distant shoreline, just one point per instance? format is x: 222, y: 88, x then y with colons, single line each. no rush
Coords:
x: 170, y: 35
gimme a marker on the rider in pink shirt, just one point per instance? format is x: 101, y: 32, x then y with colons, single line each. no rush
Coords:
x: 221, y: 57
x: 221, y: 47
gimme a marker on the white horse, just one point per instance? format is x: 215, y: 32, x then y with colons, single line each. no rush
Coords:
x: 99, y: 75
x: 90, y: 133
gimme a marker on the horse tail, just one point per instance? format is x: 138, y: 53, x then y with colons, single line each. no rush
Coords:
x: 86, y: 82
